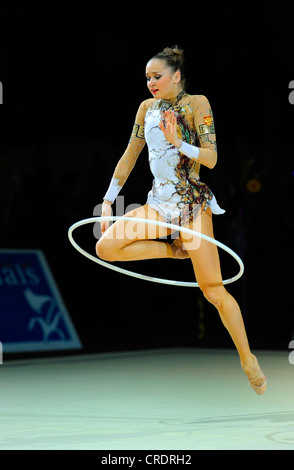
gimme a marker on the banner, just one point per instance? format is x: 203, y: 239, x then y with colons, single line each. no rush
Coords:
x: 33, y: 316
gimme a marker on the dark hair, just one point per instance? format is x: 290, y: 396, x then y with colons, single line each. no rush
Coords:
x: 174, y: 58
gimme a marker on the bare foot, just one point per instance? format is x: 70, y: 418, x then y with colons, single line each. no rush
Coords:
x: 178, y: 250
x: 256, y: 377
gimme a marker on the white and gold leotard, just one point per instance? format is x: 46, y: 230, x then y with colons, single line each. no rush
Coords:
x: 177, y: 193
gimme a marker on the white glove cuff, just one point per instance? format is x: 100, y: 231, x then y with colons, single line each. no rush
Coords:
x: 189, y: 150
x: 113, y: 190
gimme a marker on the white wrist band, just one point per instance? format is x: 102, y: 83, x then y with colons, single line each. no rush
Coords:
x: 189, y: 150
x: 113, y: 190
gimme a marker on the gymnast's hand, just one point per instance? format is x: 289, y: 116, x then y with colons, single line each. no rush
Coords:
x: 170, y: 128
x: 106, y: 212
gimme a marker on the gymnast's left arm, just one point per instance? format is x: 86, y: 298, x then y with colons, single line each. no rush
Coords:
x: 206, y: 153
x: 204, y: 123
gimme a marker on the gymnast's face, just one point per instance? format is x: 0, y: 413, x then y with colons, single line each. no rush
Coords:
x: 161, y: 81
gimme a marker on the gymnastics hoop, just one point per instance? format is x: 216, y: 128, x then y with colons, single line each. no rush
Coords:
x: 160, y: 224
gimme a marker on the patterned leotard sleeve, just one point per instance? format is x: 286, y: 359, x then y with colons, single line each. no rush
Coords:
x: 204, y: 124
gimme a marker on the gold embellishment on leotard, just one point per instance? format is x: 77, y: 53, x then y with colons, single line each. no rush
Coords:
x: 155, y: 105
x: 204, y: 129
x: 208, y: 120
x: 206, y: 138
x: 208, y: 126
x: 138, y: 131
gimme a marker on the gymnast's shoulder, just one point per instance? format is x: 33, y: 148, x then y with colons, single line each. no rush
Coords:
x: 198, y: 101
x: 147, y: 103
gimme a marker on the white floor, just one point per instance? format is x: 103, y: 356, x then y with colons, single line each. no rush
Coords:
x: 185, y: 399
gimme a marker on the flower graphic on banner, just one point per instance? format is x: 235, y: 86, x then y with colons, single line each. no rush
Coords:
x: 48, y: 314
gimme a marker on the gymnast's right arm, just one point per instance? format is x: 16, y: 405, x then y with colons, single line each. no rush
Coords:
x: 125, y: 164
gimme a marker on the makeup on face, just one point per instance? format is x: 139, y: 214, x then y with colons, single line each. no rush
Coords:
x: 160, y: 81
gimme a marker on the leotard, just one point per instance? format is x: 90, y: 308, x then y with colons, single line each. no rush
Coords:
x: 177, y: 193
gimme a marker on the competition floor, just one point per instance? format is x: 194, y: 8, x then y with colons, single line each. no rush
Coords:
x: 187, y: 399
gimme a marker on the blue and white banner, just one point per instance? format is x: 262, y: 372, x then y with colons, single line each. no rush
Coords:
x: 33, y: 316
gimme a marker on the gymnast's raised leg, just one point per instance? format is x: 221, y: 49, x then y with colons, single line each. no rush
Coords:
x: 131, y: 241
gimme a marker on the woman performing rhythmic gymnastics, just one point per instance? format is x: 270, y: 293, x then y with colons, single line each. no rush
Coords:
x: 180, y: 135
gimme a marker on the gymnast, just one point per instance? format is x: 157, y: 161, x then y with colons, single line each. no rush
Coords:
x: 180, y: 134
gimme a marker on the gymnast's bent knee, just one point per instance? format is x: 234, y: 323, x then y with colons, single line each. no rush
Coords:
x: 107, y: 249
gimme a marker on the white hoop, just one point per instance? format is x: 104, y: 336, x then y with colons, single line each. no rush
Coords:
x: 160, y: 224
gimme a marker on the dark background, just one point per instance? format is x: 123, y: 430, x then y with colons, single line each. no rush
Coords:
x: 73, y: 80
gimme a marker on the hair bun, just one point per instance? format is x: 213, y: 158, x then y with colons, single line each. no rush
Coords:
x: 174, y: 53
x: 174, y: 57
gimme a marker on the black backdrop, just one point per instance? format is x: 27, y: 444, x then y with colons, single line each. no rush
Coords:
x: 72, y: 82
